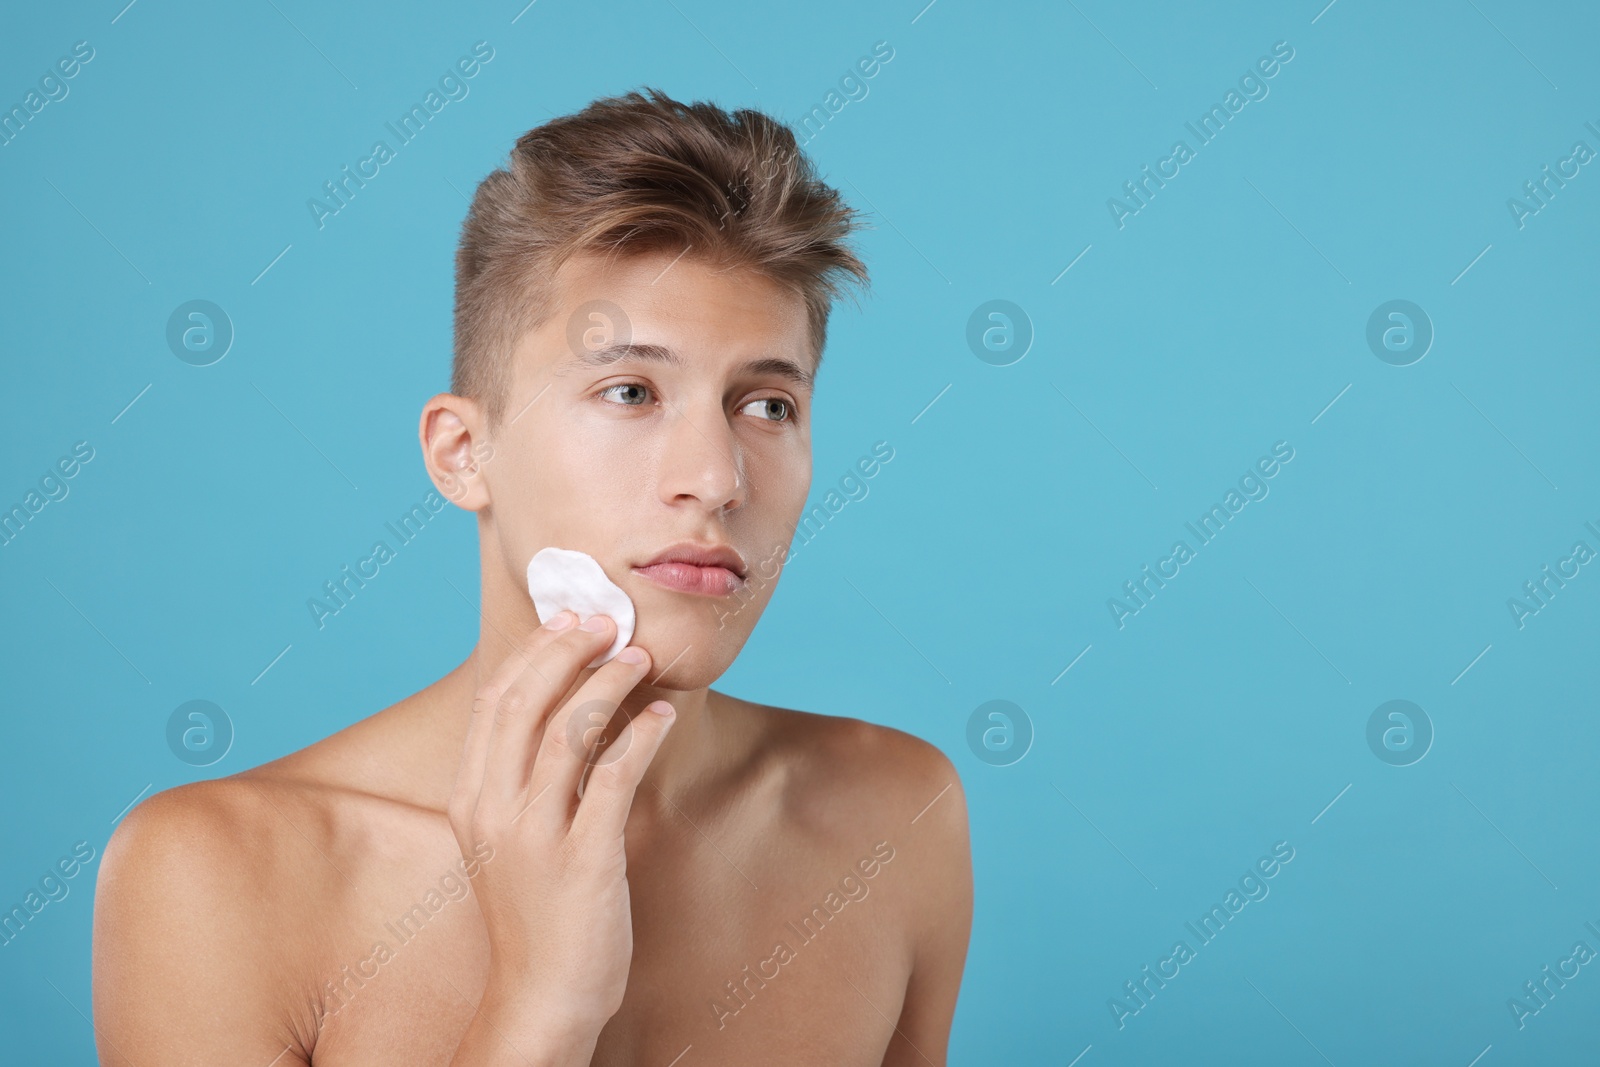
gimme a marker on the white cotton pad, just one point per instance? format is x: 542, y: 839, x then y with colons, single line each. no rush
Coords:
x: 562, y: 579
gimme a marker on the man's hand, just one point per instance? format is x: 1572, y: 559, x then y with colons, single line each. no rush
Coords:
x: 554, y: 896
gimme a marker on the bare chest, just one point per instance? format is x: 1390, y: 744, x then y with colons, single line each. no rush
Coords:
x: 778, y: 957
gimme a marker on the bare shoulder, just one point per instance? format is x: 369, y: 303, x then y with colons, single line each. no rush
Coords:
x: 865, y: 785
x: 234, y: 888
x: 174, y: 849
x: 196, y: 889
x: 849, y: 786
x: 236, y: 892
x: 245, y: 853
x: 843, y: 771
x: 241, y: 854
x: 268, y: 828
x: 211, y: 837
x: 203, y: 839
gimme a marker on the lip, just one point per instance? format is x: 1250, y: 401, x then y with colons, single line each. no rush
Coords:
x: 700, y: 570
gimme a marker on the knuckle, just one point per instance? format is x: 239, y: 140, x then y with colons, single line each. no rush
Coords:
x: 580, y: 638
x: 555, y: 744
x: 620, y: 668
x: 513, y: 705
x: 609, y: 778
x: 482, y: 826
x: 576, y: 642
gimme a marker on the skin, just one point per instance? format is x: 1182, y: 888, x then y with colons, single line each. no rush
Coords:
x: 237, y: 920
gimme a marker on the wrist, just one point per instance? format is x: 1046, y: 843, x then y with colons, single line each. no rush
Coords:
x: 558, y: 1048
x: 540, y: 1027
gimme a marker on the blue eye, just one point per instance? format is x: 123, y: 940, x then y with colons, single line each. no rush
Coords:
x: 785, y: 411
x: 627, y: 385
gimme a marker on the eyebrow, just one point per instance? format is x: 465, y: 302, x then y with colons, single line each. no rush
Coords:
x: 613, y: 353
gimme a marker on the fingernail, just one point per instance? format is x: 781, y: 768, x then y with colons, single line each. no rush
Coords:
x: 632, y: 654
x: 594, y: 624
x: 561, y: 621
x: 661, y: 707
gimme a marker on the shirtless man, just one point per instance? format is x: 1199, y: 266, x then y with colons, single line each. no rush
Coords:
x: 490, y: 872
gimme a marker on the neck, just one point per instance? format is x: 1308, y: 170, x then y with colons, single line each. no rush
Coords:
x: 687, y: 754
x: 702, y: 736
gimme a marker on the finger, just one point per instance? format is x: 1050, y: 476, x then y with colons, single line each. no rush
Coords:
x: 470, y: 771
x: 526, y: 703
x: 563, y: 752
x: 603, y: 812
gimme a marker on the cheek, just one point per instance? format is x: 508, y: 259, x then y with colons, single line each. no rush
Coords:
x: 551, y: 488
x: 785, y: 477
x: 569, y: 464
x: 692, y: 644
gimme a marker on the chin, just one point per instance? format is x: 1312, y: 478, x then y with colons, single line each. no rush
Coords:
x: 688, y: 671
x: 688, y: 650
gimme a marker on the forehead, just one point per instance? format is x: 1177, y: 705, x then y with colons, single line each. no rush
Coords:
x: 677, y: 301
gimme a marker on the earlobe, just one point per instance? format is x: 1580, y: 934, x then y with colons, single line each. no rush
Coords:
x: 454, y: 448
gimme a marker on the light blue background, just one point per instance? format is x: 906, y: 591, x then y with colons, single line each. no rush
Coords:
x: 1224, y: 317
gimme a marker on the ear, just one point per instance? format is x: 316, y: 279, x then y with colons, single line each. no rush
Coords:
x: 455, y: 444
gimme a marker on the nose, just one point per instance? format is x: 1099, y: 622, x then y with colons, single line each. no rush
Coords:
x: 702, y: 460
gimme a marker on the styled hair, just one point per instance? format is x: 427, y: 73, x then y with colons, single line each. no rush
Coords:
x: 633, y: 174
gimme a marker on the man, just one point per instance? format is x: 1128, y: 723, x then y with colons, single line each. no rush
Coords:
x: 532, y: 861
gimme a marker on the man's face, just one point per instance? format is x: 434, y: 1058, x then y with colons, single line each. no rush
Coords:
x: 608, y: 451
